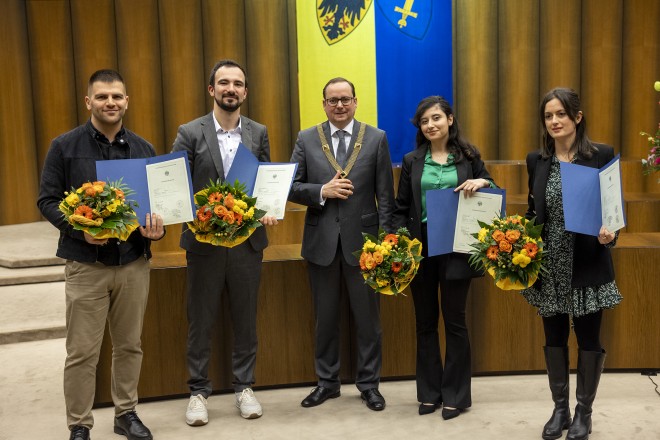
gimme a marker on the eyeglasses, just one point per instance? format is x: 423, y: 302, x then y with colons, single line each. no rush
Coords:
x: 345, y: 100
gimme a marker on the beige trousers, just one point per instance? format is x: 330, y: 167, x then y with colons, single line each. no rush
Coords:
x: 95, y: 294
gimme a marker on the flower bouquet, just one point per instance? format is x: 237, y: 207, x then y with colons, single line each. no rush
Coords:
x: 652, y: 163
x: 389, y: 262
x: 226, y: 215
x: 101, y: 210
x: 510, y: 249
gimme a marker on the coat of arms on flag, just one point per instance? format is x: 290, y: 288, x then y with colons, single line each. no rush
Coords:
x: 338, y: 18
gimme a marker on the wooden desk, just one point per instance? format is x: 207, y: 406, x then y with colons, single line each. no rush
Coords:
x: 506, y: 334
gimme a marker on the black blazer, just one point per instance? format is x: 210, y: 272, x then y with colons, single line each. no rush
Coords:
x: 592, y: 262
x: 408, y: 211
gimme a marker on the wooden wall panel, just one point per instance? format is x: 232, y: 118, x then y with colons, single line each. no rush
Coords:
x: 268, y: 65
x: 601, y: 70
x: 138, y: 51
x: 94, y: 44
x: 52, y: 66
x: 476, y: 92
x: 559, y: 46
x: 224, y: 33
x: 518, y: 78
x: 641, y: 67
x: 19, y: 181
x: 183, y: 71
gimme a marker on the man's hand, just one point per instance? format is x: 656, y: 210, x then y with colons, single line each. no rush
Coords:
x: 337, y: 188
x: 268, y: 220
x: 605, y: 236
x: 91, y: 240
x: 153, y: 228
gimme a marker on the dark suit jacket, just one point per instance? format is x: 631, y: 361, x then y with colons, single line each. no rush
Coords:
x: 199, y: 140
x: 408, y: 211
x: 592, y: 262
x: 369, y: 207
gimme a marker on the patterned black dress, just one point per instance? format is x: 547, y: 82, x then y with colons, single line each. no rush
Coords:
x: 555, y: 295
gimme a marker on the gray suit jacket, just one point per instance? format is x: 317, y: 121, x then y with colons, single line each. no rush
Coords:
x: 369, y: 207
x: 200, y: 141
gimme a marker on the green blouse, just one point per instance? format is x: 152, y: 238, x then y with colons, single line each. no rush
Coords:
x: 437, y: 176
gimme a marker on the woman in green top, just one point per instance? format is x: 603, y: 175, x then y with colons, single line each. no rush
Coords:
x: 442, y: 159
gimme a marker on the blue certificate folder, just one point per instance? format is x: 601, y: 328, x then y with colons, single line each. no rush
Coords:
x: 133, y: 173
x: 441, y: 211
x: 580, y: 188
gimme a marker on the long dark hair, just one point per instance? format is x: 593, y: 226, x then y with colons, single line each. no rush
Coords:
x: 570, y: 100
x: 458, y: 146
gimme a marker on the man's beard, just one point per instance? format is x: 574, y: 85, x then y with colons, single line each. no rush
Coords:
x: 229, y: 107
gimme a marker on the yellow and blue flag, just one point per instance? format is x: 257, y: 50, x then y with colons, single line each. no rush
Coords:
x: 396, y: 52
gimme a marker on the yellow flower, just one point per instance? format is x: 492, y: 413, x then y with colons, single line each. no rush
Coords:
x: 249, y: 214
x: 382, y: 283
x: 521, y: 259
x: 482, y: 235
x: 72, y: 199
x: 241, y: 204
x: 369, y: 246
x: 112, y: 207
x: 237, y: 209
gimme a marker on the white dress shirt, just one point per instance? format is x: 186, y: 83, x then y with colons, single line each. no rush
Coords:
x: 229, y: 142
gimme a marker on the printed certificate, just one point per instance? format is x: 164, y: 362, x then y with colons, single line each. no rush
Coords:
x: 481, y: 206
x: 271, y: 187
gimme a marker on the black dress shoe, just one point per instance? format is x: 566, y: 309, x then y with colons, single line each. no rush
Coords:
x: 374, y: 400
x: 131, y: 426
x: 319, y: 395
x: 426, y: 408
x: 450, y: 413
x: 79, y: 433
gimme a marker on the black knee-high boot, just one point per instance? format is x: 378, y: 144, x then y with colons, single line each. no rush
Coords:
x: 556, y: 361
x: 590, y: 367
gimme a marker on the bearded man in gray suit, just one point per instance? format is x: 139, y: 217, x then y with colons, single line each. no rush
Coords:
x: 344, y: 178
x: 211, y: 143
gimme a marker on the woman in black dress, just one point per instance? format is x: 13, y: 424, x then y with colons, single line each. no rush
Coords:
x: 579, y: 282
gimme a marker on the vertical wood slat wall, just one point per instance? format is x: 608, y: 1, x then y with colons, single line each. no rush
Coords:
x: 508, y: 53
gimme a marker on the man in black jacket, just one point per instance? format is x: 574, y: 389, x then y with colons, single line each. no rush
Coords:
x: 105, y: 279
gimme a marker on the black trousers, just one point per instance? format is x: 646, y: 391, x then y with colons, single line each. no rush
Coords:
x: 450, y: 385
x: 238, y: 270
x: 325, y: 282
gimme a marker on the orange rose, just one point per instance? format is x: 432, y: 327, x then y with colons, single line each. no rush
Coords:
x: 396, y: 266
x: 220, y: 210
x: 369, y: 262
x: 492, y: 252
x: 513, y: 220
x: 90, y: 191
x: 99, y: 183
x: 505, y: 246
x: 378, y: 257
x: 498, y: 235
x: 391, y: 239
x: 512, y: 235
x: 120, y: 194
x: 215, y: 197
x: 229, y: 201
x: 239, y: 218
x: 531, y: 249
x: 229, y: 217
x: 363, y: 258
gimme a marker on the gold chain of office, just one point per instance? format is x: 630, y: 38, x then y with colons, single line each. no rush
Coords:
x: 331, y: 158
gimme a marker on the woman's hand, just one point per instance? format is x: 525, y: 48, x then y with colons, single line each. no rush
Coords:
x: 605, y: 236
x: 472, y: 185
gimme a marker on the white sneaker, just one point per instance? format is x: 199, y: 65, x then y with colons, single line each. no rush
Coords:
x: 196, y: 414
x: 248, y: 404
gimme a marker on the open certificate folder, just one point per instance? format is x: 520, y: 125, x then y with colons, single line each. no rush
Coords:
x: 451, y: 217
x: 592, y: 197
x: 162, y: 185
x: 269, y: 182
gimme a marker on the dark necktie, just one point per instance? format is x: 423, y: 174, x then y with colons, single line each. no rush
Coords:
x: 341, y: 148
